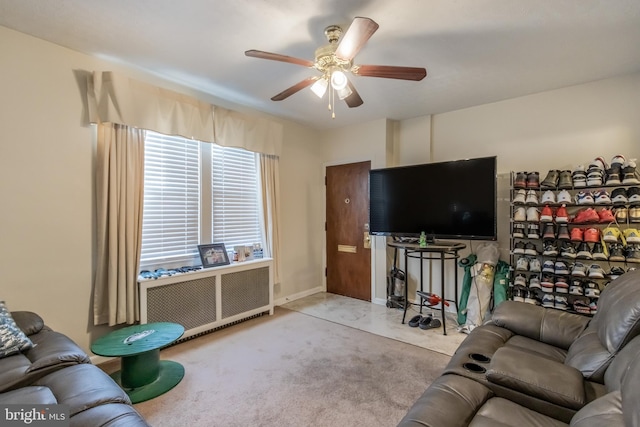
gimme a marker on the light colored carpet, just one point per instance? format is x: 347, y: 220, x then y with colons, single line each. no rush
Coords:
x: 291, y: 369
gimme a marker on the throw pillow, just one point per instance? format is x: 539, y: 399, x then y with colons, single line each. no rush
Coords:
x: 12, y: 339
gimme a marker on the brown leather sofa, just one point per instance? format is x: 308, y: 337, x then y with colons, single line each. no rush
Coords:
x: 530, y: 365
x: 56, y: 371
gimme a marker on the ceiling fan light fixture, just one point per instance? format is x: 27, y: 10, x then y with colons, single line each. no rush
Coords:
x: 344, y: 92
x: 320, y: 87
x: 338, y: 80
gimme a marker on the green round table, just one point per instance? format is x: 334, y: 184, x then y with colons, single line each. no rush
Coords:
x: 142, y: 374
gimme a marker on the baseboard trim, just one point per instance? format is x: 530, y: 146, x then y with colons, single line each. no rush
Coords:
x: 284, y: 300
x: 379, y: 301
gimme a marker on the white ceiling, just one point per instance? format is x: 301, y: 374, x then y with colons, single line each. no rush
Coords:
x: 475, y: 51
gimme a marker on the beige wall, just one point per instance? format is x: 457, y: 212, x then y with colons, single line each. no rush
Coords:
x: 46, y: 186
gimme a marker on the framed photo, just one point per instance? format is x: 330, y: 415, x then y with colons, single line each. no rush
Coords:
x: 213, y: 255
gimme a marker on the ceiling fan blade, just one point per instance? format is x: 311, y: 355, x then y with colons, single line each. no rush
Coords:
x: 359, y: 32
x: 354, y: 99
x: 295, y: 88
x: 390, y: 72
x: 277, y: 57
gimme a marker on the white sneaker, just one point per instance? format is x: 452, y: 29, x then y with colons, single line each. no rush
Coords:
x: 520, y: 214
x: 533, y: 215
x: 617, y: 160
x: 564, y: 197
x: 520, y: 196
x: 532, y: 198
x: 534, y: 267
x: 548, y: 197
x: 522, y: 264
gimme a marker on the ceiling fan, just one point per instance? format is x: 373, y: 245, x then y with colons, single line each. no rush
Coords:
x: 335, y: 60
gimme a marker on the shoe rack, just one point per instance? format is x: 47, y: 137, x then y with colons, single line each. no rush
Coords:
x: 533, y: 238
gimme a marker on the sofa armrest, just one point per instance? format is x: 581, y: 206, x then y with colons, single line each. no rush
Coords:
x: 52, y: 350
x: 554, y: 327
x: 538, y: 377
x: 30, y: 323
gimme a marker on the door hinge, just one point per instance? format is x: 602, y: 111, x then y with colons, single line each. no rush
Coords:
x: 325, y: 272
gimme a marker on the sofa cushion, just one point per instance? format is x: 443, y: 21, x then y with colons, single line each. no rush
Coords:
x: 30, y: 323
x: 498, y: 412
x: 12, y: 339
x: 36, y: 395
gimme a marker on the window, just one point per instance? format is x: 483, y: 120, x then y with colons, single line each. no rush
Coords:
x: 181, y: 177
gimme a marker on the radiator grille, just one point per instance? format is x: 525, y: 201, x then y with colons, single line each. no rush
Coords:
x: 244, y: 290
x: 191, y: 303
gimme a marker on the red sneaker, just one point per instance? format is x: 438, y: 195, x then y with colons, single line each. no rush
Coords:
x: 586, y: 216
x: 606, y: 215
x: 546, y: 215
x: 591, y: 235
x: 561, y: 215
x: 576, y: 234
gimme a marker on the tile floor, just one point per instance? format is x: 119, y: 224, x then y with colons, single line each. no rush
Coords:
x: 380, y: 320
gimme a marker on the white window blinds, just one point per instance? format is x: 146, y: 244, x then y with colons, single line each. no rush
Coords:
x: 236, y: 209
x: 171, y: 216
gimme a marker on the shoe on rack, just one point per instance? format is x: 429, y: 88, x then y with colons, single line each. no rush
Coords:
x: 548, y: 197
x: 532, y: 214
x: 561, y: 268
x: 565, y: 180
x: 563, y: 232
x: 612, y: 235
x: 631, y: 235
x: 532, y: 198
x: 551, y: 180
x: 548, y: 266
x: 533, y: 231
x: 619, y: 196
x: 522, y: 264
x: 520, y: 214
x: 568, y: 250
x: 577, y: 234
x: 579, y: 177
x: 533, y: 180
x: 605, y: 215
x: 518, y: 248
x: 592, y: 235
x: 530, y: 249
x: 549, y: 248
x: 579, y: 270
x: 598, y: 163
x: 602, y: 197
x: 518, y: 230
x: 617, y: 161
x: 581, y: 305
x: 520, y: 180
x: 546, y: 214
x: 534, y: 266
x: 616, y: 252
x: 576, y: 287
x: 615, y: 272
x: 598, y: 252
x: 586, y: 216
x: 584, y: 252
x: 562, y: 216
x: 633, y: 194
x: 596, y: 272
x: 520, y: 197
x: 549, y: 232
x: 520, y: 280
x: 621, y: 214
x: 591, y: 289
x: 593, y: 307
x: 518, y: 295
x: 547, y: 283
x: 595, y: 178
x: 530, y: 297
x: 548, y: 301
x: 561, y: 303
x: 584, y: 198
x: 564, y: 197
x: 534, y: 283
x: 633, y: 253
x: 634, y: 214
x: 629, y: 173
x: 613, y: 176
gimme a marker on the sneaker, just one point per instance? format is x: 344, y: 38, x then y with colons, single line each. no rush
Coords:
x: 586, y: 216
x: 560, y: 267
x: 518, y: 248
x: 564, y: 197
x: 533, y: 215
x: 617, y: 161
x: 631, y: 235
x: 547, y: 283
x: 633, y: 252
x: 593, y: 307
x: 613, y: 176
x: 595, y: 178
x: 533, y: 180
x: 549, y: 231
x: 616, y: 252
x: 568, y: 250
x: 612, y: 235
x: 520, y: 280
x: 579, y: 177
x: 548, y: 301
x: 592, y: 235
x: 591, y: 290
x: 518, y: 230
x: 546, y: 214
x: 518, y: 295
x: 520, y: 197
x: 598, y: 163
x: 621, y: 214
x: 561, y: 303
x: 548, y: 197
x: 615, y: 272
x: 584, y: 252
x: 530, y: 297
x: 562, y: 216
x: 629, y: 173
x: 551, y: 180
x: 596, y: 272
x: 619, y: 196
x: 581, y: 306
x: 598, y: 252
x: 533, y: 231
x: 548, y: 267
x: 634, y: 214
x: 530, y: 249
x: 576, y: 234
x: 534, y: 265
x: 633, y: 194
x: 563, y: 232
x: 576, y: 287
x: 605, y: 215
x: 584, y: 198
x: 579, y: 270
x: 565, y: 181
x: 549, y: 249
x: 602, y: 197
x: 532, y: 198
x: 520, y: 180
x: 519, y: 214
x: 534, y: 283
x: 522, y: 264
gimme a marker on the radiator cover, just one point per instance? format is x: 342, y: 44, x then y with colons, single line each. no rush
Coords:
x: 208, y: 299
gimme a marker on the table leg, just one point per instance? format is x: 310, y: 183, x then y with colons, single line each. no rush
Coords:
x: 442, y: 266
x: 406, y: 286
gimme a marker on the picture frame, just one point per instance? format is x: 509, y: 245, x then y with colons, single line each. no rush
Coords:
x: 213, y: 255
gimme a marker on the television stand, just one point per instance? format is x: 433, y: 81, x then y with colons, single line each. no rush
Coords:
x: 442, y: 250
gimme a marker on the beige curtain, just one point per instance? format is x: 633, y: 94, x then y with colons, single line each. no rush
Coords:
x: 119, y: 200
x: 270, y: 189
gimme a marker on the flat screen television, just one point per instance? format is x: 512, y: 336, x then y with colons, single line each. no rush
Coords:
x: 454, y: 199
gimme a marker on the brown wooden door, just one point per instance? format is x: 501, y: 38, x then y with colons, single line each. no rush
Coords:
x: 348, y: 260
